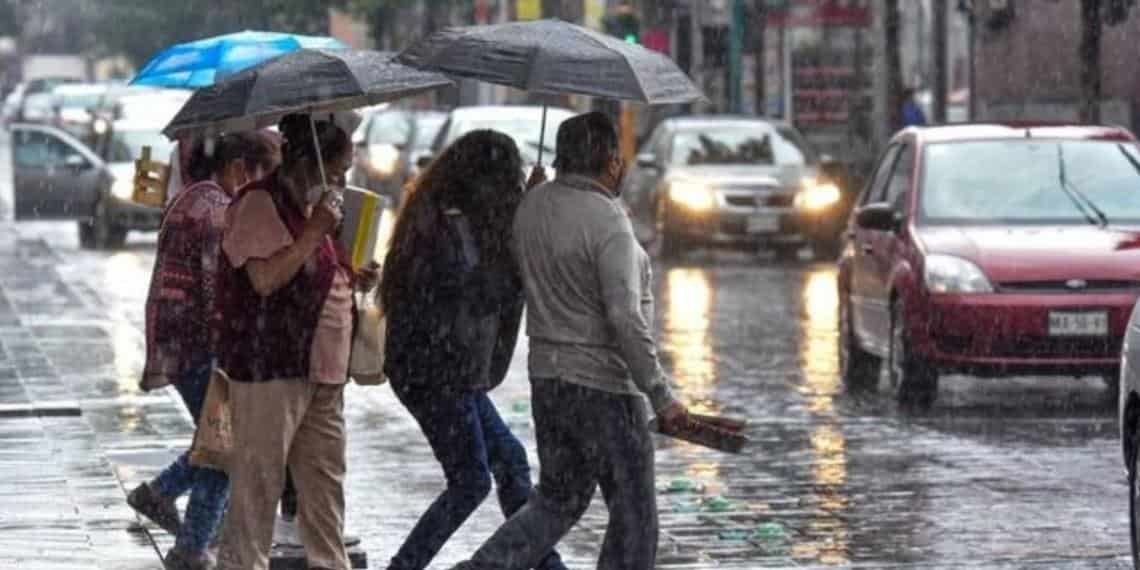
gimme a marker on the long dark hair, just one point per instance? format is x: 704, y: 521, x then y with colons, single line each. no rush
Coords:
x: 298, y: 133
x: 481, y: 175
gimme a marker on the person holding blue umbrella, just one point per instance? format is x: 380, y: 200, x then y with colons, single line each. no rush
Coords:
x: 194, y: 65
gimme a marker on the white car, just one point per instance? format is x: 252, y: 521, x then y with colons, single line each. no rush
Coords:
x: 77, y: 104
x: 1130, y: 424
x: 522, y: 123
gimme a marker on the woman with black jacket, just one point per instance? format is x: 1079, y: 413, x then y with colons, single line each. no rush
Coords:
x: 454, y: 300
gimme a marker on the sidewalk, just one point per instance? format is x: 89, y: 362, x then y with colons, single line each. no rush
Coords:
x: 77, y: 433
x: 62, y: 497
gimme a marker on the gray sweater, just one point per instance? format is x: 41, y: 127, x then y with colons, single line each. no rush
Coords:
x: 588, y: 291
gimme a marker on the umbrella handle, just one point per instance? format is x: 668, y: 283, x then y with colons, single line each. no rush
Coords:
x: 542, y: 135
x: 317, y: 147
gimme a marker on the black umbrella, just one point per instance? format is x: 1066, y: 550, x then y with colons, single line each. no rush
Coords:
x: 552, y: 56
x: 303, y: 81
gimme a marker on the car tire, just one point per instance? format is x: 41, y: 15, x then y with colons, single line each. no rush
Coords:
x: 100, y: 232
x: 858, y: 368
x: 916, y: 379
x: 787, y: 252
x: 86, y: 235
x: 1134, y: 496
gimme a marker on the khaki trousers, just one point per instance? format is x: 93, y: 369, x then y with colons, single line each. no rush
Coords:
x: 277, y: 424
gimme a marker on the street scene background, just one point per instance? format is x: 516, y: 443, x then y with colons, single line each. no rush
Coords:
x: 1019, y: 472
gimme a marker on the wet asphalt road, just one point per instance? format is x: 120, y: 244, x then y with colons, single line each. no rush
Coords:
x: 1001, y: 474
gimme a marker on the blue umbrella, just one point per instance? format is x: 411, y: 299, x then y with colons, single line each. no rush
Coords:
x: 206, y: 61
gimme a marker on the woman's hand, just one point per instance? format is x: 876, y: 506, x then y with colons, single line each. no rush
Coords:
x: 368, y: 277
x: 326, y: 214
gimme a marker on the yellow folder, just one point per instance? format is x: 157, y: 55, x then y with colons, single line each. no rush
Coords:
x: 360, y: 228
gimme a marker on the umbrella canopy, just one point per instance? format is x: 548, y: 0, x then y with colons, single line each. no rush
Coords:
x: 552, y: 56
x: 203, y: 62
x: 304, y: 81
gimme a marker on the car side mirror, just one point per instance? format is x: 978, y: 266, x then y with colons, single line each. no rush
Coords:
x: 424, y: 161
x: 879, y: 216
x: 647, y: 160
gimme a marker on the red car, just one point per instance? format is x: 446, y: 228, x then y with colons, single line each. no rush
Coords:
x: 991, y: 250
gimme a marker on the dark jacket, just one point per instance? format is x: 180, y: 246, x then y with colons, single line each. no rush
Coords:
x: 458, y: 323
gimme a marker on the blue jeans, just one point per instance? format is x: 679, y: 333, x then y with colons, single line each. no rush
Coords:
x: 473, y: 445
x: 209, y: 489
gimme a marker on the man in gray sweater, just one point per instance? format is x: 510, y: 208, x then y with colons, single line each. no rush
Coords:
x: 593, y: 360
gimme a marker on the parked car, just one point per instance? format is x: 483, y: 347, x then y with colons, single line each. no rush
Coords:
x: 38, y: 108
x: 388, y: 144
x: 14, y: 103
x: 116, y: 214
x: 57, y: 177
x: 76, y: 105
x: 521, y: 123
x: 1129, y: 423
x: 732, y: 181
x: 147, y: 104
x: 991, y: 250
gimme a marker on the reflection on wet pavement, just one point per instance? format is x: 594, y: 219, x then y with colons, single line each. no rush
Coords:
x: 686, y: 337
x: 1010, y: 473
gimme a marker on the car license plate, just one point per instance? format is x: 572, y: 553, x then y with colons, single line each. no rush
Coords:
x: 762, y: 224
x: 1078, y: 323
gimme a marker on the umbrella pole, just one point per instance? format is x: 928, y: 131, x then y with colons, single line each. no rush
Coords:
x: 317, y: 147
x: 542, y: 135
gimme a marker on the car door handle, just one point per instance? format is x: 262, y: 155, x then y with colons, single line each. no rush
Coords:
x: 868, y: 248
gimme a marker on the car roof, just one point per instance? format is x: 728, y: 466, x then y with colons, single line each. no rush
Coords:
x: 507, y: 111
x: 1016, y: 130
x: 81, y: 88
x: 707, y: 121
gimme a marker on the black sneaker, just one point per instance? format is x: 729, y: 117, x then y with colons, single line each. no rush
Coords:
x: 160, y: 510
x: 179, y: 560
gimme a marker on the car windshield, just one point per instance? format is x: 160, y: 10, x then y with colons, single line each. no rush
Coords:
x: 81, y: 100
x: 126, y: 145
x: 427, y: 128
x: 389, y: 127
x: 1030, y: 182
x: 524, y: 130
x: 744, y: 145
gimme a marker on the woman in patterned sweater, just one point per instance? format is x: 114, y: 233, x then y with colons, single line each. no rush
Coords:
x: 180, y: 342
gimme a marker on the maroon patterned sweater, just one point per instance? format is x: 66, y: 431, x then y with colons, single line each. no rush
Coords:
x: 181, y: 304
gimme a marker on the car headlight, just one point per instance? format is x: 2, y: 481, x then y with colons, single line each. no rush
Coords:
x: 692, y: 195
x: 949, y: 274
x: 815, y: 196
x: 383, y: 158
x: 123, y: 188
